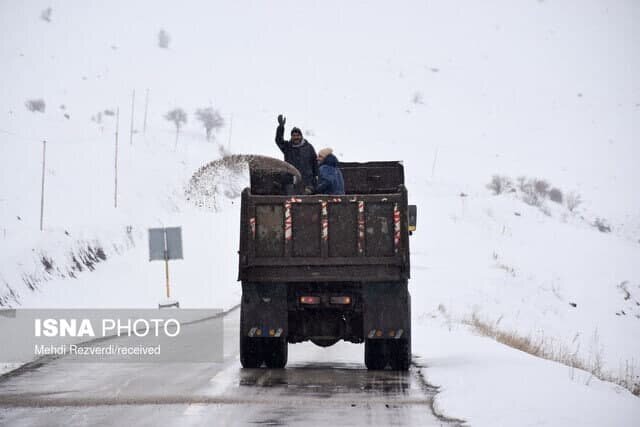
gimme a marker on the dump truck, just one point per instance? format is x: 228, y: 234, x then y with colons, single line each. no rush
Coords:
x: 325, y: 268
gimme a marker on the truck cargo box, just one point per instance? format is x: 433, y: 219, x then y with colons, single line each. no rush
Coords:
x: 361, y: 236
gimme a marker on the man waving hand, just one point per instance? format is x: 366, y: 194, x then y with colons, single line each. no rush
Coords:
x: 299, y: 153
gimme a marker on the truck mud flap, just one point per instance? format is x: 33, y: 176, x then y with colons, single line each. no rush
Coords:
x: 264, y: 310
x: 387, y: 311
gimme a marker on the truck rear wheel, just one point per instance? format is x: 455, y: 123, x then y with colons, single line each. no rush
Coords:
x: 250, y: 355
x: 401, y: 350
x: 400, y: 354
x: 374, y: 354
x: 276, y: 353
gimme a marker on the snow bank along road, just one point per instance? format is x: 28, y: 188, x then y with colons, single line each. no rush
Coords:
x: 320, y: 386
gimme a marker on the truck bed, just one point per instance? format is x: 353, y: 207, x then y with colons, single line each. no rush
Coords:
x: 323, y: 238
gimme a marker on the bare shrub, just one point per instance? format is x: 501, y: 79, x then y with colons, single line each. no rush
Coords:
x: 545, y: 210
x: 573, y: 200
x: 529, y: 194
x: 163, y: 39
x: 97, y: 117
x: 502, y: 266
x: 500, y: 184
x: 211, y: 119
x: 35, y: 105
x: 629, y: 376
x: 602, y: 225
x: 45, y: 15
x: 534, y: 191
x: 178, y: 117
x: 541, y: 187
x: 507, y: 268
x: 555, y: 195
x: 417, y: 98
x: 596, y: 351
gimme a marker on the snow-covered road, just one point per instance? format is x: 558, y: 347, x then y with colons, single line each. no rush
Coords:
x: 320, y: 386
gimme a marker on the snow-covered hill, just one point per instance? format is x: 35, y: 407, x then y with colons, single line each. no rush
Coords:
x: 459, y: 92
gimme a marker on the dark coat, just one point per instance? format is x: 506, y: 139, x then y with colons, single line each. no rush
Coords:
x: 330, y: 180
x: 302, y: 157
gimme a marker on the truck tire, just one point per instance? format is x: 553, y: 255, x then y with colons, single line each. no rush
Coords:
x: 374, y: 354
x: 401, y: 349
x: 400, y: 354
x: 250, y: 355
x: 276, y: 353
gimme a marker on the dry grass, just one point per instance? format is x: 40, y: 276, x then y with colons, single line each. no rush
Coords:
x: 626, y: 377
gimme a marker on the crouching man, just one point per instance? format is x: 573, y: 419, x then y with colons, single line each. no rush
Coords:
x: 330, y: 179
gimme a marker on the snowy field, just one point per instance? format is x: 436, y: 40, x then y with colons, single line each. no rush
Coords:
x: 460, y: 91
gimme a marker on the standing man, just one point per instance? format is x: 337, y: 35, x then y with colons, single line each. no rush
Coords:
x: 299, y: 153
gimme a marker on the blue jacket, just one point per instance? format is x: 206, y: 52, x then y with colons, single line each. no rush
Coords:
x: 330, y: 179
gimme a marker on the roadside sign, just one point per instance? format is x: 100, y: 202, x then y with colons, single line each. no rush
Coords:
x: 156, y: 244
x: 166, y: 244
x: 165, y: 239
x: 174, y: 242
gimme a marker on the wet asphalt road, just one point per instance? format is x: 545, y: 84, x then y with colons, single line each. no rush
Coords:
x: 320, y: 386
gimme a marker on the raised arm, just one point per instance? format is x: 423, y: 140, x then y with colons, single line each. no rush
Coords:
x: 282, y: 144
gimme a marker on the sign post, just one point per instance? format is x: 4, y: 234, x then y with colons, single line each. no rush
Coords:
x: 166, y: 244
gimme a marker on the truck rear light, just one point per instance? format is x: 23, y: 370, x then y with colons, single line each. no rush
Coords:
x: 341, y: 300
x: 309, y: 300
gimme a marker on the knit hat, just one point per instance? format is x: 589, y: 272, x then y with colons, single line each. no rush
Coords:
x: 325, y: 152
x: 296, y: 130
